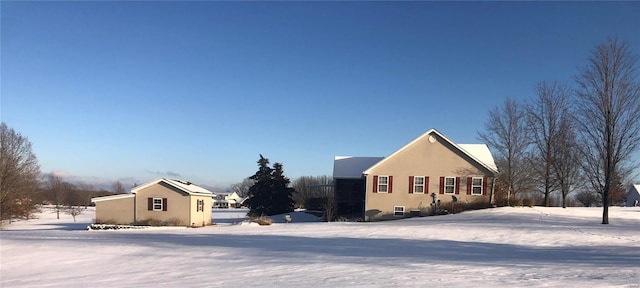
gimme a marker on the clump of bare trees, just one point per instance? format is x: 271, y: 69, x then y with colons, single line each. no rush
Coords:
x: 316, y: 192
x: 118, y: 188
x: 567, y: 139
x: 242, y: 188
x: 553, y: 158
x: 506, y: 134
x: 19, y: 172
x: 59, y: 191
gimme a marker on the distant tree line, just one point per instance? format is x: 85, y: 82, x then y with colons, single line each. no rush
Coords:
x: 571, y: 139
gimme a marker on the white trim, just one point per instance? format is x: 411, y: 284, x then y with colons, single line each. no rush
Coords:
x: 454, y: 185
x: 386, y: 184
x: 421, y: 185
x: 432, y: 131
x: 394, y: 211
x: 112, y: 197
x: 187, y: 187
x: 481, y: 185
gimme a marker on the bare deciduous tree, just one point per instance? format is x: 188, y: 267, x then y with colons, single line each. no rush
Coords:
x: 565, y: 157
x: 330, y: 206
x: 242, y: 188
x: 74, y: 211
x: 506, y: 135
x: 543, y: 118
x: 587, y: 197
x: 118, y: 188
x: 59, y: 191
x: 608, y: 115
x: 554, y: 157
x: 304, y: 192
x: 19, y: 173
x: 87, y: 192
x: 308, y: 187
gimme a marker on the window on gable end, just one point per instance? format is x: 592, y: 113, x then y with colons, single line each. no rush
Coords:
x: 383, y: 184
x: 418, y: 184
x: 449, y: 185
x: 157, y: 204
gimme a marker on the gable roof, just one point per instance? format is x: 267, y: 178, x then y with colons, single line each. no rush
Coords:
x: 184, y: 186
x: 352, y: 167
x: 635, y: 187
x: 633, y: 195
x: 477, y: 152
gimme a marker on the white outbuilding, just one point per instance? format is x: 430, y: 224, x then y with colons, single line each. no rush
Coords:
x: 633, y: 196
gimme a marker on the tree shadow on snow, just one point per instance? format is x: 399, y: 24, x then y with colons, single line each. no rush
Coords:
x: 360, y: 250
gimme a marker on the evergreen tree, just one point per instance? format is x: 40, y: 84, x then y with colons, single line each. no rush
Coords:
x: 270, y: 194
x: 283, y: 194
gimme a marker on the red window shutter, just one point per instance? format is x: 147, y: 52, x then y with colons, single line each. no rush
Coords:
x: 426, y: 184
x: 375, y: 184
x: 457, y: 185
x: 410, y: 184
x: 149, y: 204
x: 486, y: 186
x: 390, y: 184
x: 469, y: 179
x: 441, y: 185
x: 164, y: 204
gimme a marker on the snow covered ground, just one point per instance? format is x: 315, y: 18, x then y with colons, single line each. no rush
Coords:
x: 515, y: 247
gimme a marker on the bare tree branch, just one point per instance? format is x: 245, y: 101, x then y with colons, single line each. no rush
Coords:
x: 506, y: 135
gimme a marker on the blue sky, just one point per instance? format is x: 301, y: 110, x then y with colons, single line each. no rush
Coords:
x: 196, y: 90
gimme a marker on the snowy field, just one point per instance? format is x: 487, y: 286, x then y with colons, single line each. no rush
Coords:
x: 512, y: 247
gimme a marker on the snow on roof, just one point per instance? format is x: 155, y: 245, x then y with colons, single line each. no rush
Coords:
x: 352, y: 167
x: 188, y: 186
x: 480, y: 152
x: 180, y: 184
x: 111, y: 197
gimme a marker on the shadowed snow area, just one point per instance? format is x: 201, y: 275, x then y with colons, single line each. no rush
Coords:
x: 541, y: 247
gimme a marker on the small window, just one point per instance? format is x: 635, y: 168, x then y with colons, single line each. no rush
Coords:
x: 449, y: 185
x: 418, y: 184
x: 476, y: 186
x: 199, y: 205
x: 157, y: 204
x: 383, y: 184
x: 398, y: 210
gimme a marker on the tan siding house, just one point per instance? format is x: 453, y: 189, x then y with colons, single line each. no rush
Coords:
x: 169, y: 201
x: 431, y: 169
x: 114, y: 209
